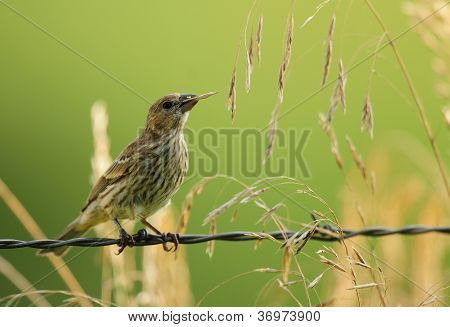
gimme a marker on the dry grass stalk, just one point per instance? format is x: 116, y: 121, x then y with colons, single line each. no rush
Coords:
x: 286, y: 264
x: 272, y: 131
x: 362, y: 286
x: 254, y: 195
x: 279, y: 226
x: 352, y: 271
x: 263, y: 236
x: 331, y: 263
x: 336, y: 154
x: 360, y: 262
x: 234, y: 214
x: 291, y: 241
x: 435, y: 33
x: 249, y: 64
x: 360, y: 212
x: 284, y: 286
x: 306, y: 236
x: 420, y: 107
x: 446, y: 112
x: 354, y: 279
x: 338, y: 96
x: 248, y: 50
x: 100, y: 161
x: 359, y: 256
x: 211, y: 244
x: 394, y: 208
x: 342, y: 82
x: 260, y: 204
x: 259, y: 38
x: 13, y: 203
x: 122, y: 268
x: 317, y: 213
x: 165, y: 277
x: 291, y: 282
x: 19, y: 280
x: 357, y: 158
x: 431, y: 299
x: 315, y: 281
x: 267, y: 270
x: 430, y: 251
x: 281, y: 79
x: 367, y: 117
x: 329, y: 51
x: 231, y: 101
x: 258, y: 243
x: 331, y: 251
x: 268, y: 214
x: 115, y: 269
x: 334, y: 102
x: 286, y: 58
x: 219, y: 210
x: 383, y: 286
x: 12, y: 299
x: 20, y: 212
x: 310, y: 18
x: 325, y: 123
x: 373, y: 182
x: 363, y: 265
x: 187, y: 205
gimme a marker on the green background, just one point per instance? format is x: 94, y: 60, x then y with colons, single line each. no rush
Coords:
x: 160, y: 47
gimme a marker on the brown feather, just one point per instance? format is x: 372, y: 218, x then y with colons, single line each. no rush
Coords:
x: 118, y: 169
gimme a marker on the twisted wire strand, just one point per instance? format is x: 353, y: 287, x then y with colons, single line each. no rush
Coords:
x: 142, y: 238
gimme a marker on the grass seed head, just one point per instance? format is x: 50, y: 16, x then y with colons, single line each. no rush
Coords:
x: 286, y: 264
x: 367, y: 117
x: 259, y: 38
x: 272, y: 131
x: 331, y: 263
x: 357, y: 158
x: 231, y: 101
x: 315, y: 281
x: 329, y: 50
x: 249, y: 64
x: 211, y: 244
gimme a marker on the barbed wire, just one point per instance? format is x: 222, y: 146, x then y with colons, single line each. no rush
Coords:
x: 143, y: 238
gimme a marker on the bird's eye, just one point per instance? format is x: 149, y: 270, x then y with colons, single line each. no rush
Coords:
x: 167, y: 105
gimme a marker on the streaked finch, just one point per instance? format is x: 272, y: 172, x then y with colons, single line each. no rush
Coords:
x: 144, y: 177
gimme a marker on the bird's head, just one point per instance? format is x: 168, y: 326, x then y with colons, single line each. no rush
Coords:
x: 170, y: 113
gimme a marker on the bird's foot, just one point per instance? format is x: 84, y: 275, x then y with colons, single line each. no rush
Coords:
x: 170, y: 237
x: 125, y: 240
x: 166, y: 237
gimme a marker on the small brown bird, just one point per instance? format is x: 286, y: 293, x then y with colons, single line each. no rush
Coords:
x: 144, y: 177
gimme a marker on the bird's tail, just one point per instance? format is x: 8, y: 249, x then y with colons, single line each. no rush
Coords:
x: 73, y: 230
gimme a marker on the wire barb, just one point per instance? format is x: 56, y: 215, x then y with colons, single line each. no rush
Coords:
x: 143, y: 238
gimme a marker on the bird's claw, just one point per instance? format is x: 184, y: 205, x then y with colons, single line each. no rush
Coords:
x: 170, y: 237
x: 125, y: 240
x: 165, y: 237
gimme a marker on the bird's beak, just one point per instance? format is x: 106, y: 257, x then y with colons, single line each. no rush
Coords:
x: 188, y: 101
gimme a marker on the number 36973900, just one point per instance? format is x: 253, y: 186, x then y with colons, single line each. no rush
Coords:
x: 288, y: 315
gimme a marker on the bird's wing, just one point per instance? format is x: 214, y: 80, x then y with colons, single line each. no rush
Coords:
x: 120, y: 168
